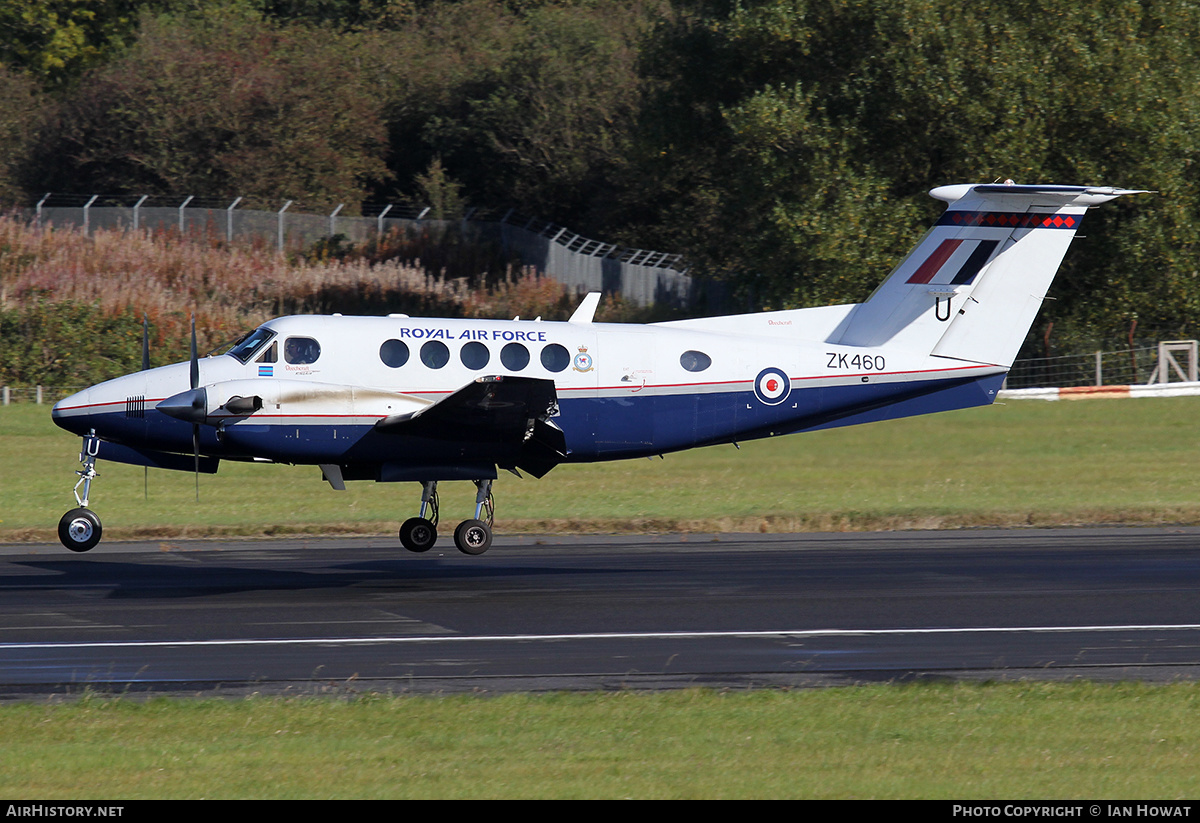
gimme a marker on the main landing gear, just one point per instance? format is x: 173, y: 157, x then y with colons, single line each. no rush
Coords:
x: 418, y: 534
x: 80, y: 529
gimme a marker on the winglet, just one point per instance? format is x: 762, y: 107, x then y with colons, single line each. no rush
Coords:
x: 587, y: 309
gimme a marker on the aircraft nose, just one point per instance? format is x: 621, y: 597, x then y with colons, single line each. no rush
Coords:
x: 73, y: 412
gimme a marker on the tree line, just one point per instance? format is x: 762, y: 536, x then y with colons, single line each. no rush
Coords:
x: 782, y: 145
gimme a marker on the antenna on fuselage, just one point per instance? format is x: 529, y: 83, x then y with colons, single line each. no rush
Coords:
x: 587, y: 309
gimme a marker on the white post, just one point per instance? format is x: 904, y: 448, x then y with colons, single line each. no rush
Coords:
x: 137, y: 206
x: 229, y: 221
x: 1167, y: 362
x: 281, y: 211
x: 39, y: 395
x: 182, y: 206
x: 39, y: 209
x: 379, y: 220
x: 333, y: 220
x: 87, y: 229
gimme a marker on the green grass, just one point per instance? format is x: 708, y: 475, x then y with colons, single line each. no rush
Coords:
x: 958, y: 742
x: 1024, y: 463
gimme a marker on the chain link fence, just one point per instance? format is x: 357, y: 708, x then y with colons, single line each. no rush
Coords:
x: 1125, y: 367
x: 639, y: 276
x: 1167, y: 361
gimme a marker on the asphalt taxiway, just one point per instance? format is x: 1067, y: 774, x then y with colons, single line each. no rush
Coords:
x: 731, y: 611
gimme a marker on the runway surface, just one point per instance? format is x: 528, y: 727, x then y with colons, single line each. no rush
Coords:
x: 536, y: 613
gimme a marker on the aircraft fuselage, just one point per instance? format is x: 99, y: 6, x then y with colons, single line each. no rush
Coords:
x: 623, y: 390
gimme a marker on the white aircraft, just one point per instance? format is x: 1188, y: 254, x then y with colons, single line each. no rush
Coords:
x: 401, y: 398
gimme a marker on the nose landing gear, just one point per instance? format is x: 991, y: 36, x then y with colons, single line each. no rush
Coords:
x: 80, y: 529
x: 474, y: 536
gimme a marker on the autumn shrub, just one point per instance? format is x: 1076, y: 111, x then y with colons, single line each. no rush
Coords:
x: 71, y: 306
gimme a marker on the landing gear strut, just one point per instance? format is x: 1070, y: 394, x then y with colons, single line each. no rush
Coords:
x: 80, y: 529
x: 418, y: 534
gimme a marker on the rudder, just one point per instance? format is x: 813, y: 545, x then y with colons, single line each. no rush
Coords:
x: 972, y: 286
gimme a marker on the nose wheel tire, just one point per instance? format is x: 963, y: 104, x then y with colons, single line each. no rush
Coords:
x: 473, y: 537
x: 418, y: 534
x: 79, y: 530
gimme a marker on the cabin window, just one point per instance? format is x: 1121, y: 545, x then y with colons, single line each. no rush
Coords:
x: 514, y: 356
x: 435, y: 354
x: 555, y: 357
x: 246, y: 348
x: 475, y: 355
x: 695, y: 360
x: 393, y: 353
x: 301, y: 350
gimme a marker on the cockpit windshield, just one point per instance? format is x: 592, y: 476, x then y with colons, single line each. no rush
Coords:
x: 245, y: 348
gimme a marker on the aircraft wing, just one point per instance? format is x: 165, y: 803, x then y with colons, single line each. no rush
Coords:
x: 498, y: 410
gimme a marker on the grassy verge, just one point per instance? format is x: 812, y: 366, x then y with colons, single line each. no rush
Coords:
x: 1016, y: 741
x: 1024, y: 463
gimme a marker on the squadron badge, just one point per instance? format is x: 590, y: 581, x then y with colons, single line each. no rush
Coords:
x: 583, y: 361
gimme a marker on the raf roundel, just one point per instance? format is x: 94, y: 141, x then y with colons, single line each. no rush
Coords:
x: 772, y: 386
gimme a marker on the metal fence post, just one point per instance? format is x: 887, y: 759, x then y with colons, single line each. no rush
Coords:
x: 39, y: 209
x: 281, y: 211
x: 137, y: 206
x: 1099, y: 367
x: 183, y: 206
x: 229, y: 220
x: 87, y: 227
x: 333, y: 220
x: 379, y: 220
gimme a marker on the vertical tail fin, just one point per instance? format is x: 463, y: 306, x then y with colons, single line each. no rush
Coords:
x: 971, y: 287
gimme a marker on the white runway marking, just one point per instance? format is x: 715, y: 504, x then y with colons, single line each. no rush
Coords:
x: 325, y: 641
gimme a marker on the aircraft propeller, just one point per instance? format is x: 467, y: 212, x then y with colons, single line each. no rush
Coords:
x: 145, y: 343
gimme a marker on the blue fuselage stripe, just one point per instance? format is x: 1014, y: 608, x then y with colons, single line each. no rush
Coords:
x: 596, y: 428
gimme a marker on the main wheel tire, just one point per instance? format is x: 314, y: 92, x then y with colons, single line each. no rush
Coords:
x: 473, y: 537
x: 80, y: 530
x: 418, y: 534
